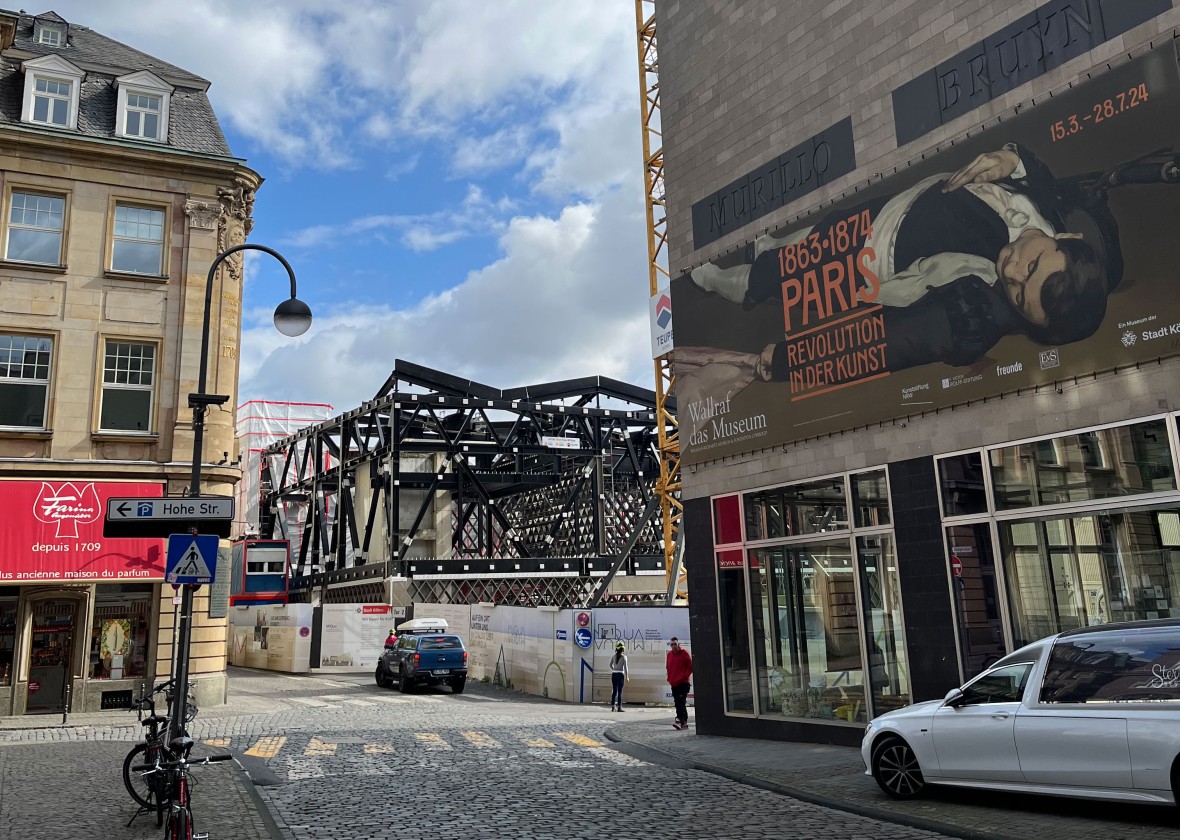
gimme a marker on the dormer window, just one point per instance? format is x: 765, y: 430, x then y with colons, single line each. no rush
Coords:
x: 51, y: 92
x: 51, y: 36
x: 143, y: 106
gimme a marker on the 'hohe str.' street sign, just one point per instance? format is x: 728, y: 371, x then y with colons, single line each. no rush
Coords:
x: 160, y: 517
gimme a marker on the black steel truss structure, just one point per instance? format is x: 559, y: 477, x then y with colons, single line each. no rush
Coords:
x: 548, y: 491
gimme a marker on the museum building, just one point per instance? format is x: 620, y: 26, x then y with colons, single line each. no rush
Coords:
x: 118, y: 192
x: 926, y: 341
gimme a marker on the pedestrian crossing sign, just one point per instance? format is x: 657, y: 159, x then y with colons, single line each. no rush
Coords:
x: 192, y: 558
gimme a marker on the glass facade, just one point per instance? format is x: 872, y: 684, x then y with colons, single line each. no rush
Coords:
x: 810, y: 604
x: 1082, y: 529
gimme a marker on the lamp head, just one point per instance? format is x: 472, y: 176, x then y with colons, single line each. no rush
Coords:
x: 292, y: 317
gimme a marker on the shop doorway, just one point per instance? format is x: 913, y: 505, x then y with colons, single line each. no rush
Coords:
x: 51, y: 654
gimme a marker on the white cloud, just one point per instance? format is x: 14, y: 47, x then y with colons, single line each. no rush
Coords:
x: 563, y: 301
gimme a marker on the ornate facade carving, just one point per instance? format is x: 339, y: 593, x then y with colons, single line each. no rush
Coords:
x: 236, y: 222
x: 201, y: 214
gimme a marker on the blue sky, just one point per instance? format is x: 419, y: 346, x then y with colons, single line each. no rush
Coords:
x: 457, y: 183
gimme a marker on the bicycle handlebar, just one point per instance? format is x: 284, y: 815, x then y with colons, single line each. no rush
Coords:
x: 181, y: 763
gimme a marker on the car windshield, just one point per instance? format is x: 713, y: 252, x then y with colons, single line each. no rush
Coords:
x: 440, y: 643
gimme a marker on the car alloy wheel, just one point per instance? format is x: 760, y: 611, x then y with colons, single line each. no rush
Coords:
x: 896, y: 769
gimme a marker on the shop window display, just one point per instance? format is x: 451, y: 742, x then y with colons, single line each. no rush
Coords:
x: 739, y: 693
x: 119, y: 635
x: 7, y: 637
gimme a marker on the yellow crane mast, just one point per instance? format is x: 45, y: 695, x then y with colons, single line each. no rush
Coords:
x: 668, y: 484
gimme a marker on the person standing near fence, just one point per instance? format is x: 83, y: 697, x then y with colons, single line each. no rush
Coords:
x: 618, y: 675
x: 679, y: 662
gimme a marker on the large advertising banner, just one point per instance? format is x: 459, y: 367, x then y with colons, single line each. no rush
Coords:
x: 1035, y: 251
x: 52, y: 531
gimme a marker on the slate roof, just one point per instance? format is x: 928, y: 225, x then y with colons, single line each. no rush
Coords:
x: 192, y: 125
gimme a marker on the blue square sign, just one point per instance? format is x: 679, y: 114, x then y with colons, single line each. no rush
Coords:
x: 192, y: 558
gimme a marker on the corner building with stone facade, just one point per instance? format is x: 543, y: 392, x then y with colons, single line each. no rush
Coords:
x: 119, y: 190
x: 926, y: 340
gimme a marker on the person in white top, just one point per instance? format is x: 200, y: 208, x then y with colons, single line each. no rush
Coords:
x: 618, y: 675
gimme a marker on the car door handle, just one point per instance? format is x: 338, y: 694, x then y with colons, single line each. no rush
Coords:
x: 1001, y: 715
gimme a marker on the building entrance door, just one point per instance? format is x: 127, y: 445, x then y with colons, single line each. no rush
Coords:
x: 50, y: 655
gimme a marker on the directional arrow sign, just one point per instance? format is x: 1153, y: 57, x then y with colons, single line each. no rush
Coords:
x: 192, y: 558
x: 184, y: 508
x: 160, y: 517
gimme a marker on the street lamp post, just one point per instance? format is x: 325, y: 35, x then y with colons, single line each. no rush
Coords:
x: 292, y: 317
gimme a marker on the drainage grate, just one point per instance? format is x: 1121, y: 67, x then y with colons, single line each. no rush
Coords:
x: 116, y: 700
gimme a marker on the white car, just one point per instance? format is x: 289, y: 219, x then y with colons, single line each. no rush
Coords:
x: 1093, y: 712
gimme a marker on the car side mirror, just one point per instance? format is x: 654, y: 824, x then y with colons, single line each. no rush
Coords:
x: 954, y: 698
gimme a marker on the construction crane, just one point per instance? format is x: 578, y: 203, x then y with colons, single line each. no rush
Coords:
x: 668, y: 484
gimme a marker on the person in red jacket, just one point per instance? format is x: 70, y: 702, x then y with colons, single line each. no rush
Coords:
x: 679, y: 664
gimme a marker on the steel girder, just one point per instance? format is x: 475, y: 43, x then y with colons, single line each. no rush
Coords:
x: 551, y: 479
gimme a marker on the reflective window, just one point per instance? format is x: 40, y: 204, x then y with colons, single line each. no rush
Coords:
x: 128, y: 379
x: 143, y: 116
x: 1069, y: 572
x: 977, y: 604
x: 1114, y: 668
x: 1003, y: 685
x: 35, y: 224
x: 870, y: 499
x: 8, y: 601
x: 960, y: 479
x: 815, y: 507
x: 138, y: 240
x: 1102, y: 464
x: 51, y: 101
x: 884, y: 626
x: 735, y: 639
x: 24, y: 379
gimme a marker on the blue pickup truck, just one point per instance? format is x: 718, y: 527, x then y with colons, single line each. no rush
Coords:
x: 424, y: 658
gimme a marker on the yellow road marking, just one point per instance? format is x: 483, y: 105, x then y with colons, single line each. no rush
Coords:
x: 481, y: 740
x: 217, y: 742
x: 267, y: 747
x: 539, y: 742
x: 432, y: 740
x: 317, y: 747
x: 580, y: 740
x: 377, y: 749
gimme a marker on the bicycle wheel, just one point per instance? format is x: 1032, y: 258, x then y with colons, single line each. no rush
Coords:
x: 180, y: 824
x: 138, y: 786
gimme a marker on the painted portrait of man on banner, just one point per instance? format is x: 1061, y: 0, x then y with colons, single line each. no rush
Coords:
x: 994, y: 246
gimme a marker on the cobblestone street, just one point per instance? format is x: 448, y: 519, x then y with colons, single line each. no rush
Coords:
x: 338, y: 757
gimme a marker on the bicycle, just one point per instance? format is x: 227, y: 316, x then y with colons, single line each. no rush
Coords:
x: 179, y: 786
x: 149, y: 791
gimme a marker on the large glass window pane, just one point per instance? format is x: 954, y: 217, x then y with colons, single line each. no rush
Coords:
x: 735, y: 638
x: 977, y: 604
x: 1121, y: 461
x: 119, y: 635
x: 1069, y: 572
x: 884, y: 626
x: 870, y: 499
x: 813, y: 665
x: 960, y: 479
x: 126, y: 411
x: 814, y: 507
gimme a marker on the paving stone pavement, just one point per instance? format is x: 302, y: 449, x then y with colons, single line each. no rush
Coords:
x: 338, y: 757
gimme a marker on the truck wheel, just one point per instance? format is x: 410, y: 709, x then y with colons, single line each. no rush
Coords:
x: 382, y: 678
x: 403, y: 682
x: 458, y: 684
